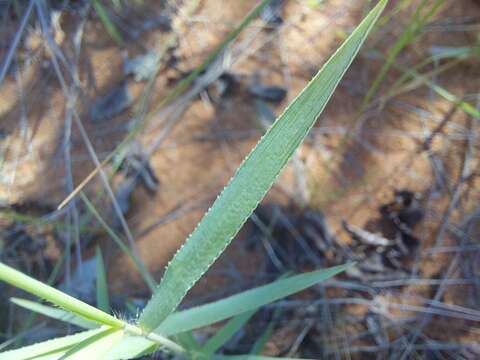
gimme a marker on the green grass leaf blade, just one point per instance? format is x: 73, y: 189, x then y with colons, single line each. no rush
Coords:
x: 67, y: 302
x: 96, y: 346
x: 245, y: 301
x: 252, y: 180
x: 103, y: 299
x: 441, y: 91
x: 107, y: 22
x: 131, y: 347
x: 408, y: 36
x: 260, y: 343
x: 226, y: 332
x: 188, y: 341
x: 465, y: 106
x: 54, y: 313
x: 135, y: 344
x: 56, y: 346
x: 147, y: 277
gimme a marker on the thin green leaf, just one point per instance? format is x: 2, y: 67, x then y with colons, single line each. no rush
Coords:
x: 182, y: 322
x: 441, y: 91
x: 135, y: 344
x: 226, y: 332
x: 446, y: 52
x: 107, y: 22
x: 55, y: 313
x: 103, y: 299
x: 260, y: 343
x: 96, y: 346
x: 58, y: 345
x: 27, y: 324
x: 19, y: 336
x: 245, y: 301
x: 411, y: 31
x: 131, y: 347
x: 397, y: 8
x: 252, y: 181
x: 147, y: 277
x: 67, y: 302
x: 465, y: 106
x: 188, y: 341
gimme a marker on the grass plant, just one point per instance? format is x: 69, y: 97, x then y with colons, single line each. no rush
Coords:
x: 160, y: 324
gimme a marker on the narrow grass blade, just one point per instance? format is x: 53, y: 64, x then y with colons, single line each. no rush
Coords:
x: 54, y: 313
x: 260, y: 343
x: 103, y: 300
x: 131, y: 347
x: 226, y: 332
x: 188, y: 341
x: 387, y: 16
x: 96, y: 346
x: 145, y: 341
x: 28, y: 322
x: 20, y: 336
x: 441, y: 91
x: 67, y: 302
x: 447, y: 95
x: 147, y: 277
x: 408, y: 35
x: 55, y: 346
x: 462, y: 52
x: 245, y: 301
x: 107, y: 22
x: 252, y: 180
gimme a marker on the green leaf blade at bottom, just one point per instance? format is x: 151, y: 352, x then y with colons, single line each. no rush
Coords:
x: 252, y: 299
